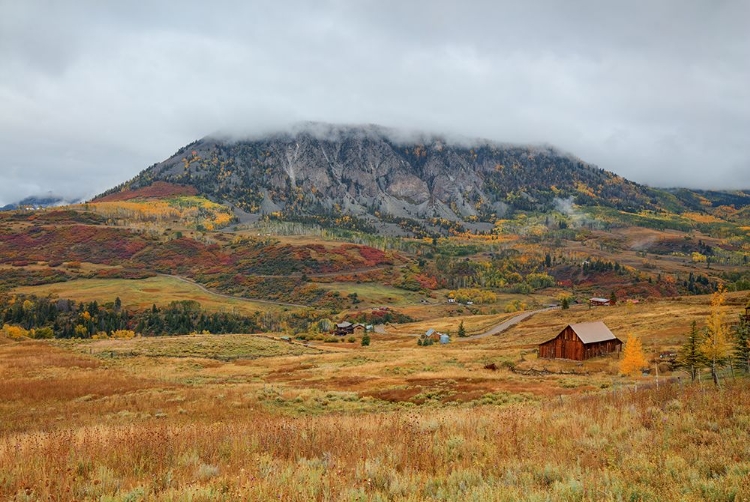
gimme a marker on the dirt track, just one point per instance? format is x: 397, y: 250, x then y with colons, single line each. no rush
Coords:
x: 496, y: 330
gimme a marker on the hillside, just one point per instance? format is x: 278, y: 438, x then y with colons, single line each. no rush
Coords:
x: 375, y: 176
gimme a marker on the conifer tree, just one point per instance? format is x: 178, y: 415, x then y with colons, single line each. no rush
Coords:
x: 633, y: 359
x: 461, y: 329
x: 742, y: 344
x: 690, y: 355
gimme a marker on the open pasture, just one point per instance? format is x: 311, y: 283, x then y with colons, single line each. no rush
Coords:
x: 142, y: 293
x: 255, y: 417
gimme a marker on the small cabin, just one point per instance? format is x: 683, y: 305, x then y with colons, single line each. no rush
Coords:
x: 599, y: 302
x: 359, y: 329
x: 581, y: 341
x: 431, y: 334
x: 344, y: 328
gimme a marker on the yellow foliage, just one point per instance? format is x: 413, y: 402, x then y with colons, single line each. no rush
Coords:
x: 475, y: 295
x: 701, y: 217
x: 583, y: 188
x: 191, y: 210
x: 15, y: 332
x: 716, y: 346
x: 633, y: 359
x: 123, y: 334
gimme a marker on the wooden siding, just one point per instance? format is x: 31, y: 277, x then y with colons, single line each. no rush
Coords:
x: 567, y: 345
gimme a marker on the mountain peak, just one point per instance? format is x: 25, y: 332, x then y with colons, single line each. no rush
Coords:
x: 377, y: 175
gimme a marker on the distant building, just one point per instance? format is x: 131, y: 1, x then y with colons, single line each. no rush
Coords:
x: 432, y: 335
x: 444, y: 338
x: 581, y: 341
x: 344, y: 328
x: 600, y: 302
x: 359, y: 329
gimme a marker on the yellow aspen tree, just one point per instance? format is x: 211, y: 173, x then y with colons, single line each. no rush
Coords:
x: 716, y: 346
x: 633, y: 359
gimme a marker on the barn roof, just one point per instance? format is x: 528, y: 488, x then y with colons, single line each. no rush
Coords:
x: 592, y: 332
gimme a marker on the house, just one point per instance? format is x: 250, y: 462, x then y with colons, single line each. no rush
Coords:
x: 343, y: 329
x: 431, y: 334
x: 599, y: 302
x: 581, y: 341
x: 359, y: 329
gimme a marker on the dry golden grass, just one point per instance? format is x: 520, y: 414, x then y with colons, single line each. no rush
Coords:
x: 473, y: 324
x: 141, y: 294
x: 150, y: 440
x: 184, y: 419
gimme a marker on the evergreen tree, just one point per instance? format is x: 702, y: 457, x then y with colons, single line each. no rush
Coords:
x: 365, y: 339
x: 690, y: 356
x: 742, y: 344
x: 461, y: 329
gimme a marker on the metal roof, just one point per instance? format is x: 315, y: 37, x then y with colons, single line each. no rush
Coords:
x: 592, y: 332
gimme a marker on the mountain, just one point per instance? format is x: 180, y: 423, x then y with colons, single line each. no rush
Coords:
x: 375, y: 175
x: 39, y: 201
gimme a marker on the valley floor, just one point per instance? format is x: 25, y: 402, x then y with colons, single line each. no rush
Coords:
x: 241, y: 417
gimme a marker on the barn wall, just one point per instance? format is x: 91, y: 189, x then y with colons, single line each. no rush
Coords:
x: 602, y: 348
x: 567, y: 345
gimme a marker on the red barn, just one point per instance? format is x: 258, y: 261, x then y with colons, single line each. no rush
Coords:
x: 581, y: 341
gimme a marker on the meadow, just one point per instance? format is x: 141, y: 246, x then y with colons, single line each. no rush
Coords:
x: 255, y: 417
x: 142, y: 294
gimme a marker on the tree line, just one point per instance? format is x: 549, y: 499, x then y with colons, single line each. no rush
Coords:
x: 44, y: 317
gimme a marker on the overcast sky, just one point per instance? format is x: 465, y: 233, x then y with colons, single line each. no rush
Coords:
x: 92, y: 92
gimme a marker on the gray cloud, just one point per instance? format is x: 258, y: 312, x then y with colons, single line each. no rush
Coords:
x: 91, y: 92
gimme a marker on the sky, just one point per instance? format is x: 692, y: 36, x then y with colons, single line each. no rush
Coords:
x: 94, y: 91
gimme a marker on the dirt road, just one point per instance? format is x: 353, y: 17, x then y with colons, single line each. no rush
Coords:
x: 496, y: 330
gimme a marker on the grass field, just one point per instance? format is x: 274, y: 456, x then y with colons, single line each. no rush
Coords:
x: 141, y: 294
x: 254, y: 417
x: 80, y: 426
x: 374, y: 293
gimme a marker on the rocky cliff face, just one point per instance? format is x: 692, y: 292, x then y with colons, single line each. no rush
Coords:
x: 373, y: 173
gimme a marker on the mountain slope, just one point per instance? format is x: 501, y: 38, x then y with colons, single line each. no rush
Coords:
x: 372, y: 173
